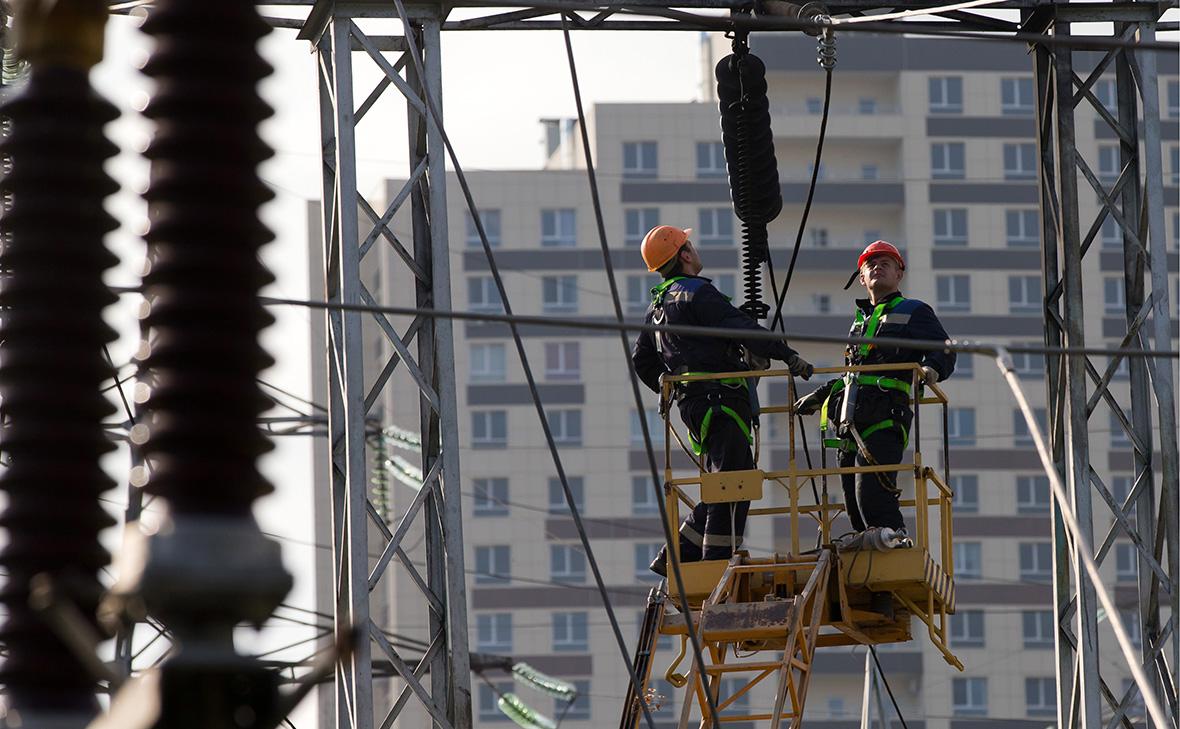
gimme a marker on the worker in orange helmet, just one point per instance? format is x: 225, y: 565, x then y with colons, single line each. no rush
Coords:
x: 717, y: 413
x: 871, y: 411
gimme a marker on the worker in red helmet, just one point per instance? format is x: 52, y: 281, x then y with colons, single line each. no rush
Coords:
x: 874, y: 427
x: 717, y: 413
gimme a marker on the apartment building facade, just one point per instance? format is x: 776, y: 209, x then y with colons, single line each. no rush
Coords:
x: 931, y: 144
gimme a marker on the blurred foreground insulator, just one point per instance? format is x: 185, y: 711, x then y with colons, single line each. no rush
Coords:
x: 52, y: 365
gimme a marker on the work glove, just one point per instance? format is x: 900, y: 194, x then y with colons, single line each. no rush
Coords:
x: 757, y: 363
x: 809, y: 404
x: 929, y: 375
x: 663, y: 409
x: 800, y: 367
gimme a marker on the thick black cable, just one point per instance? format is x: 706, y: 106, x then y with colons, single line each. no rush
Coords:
x: 432, y: 109
x: 781, y: 295
x: 950, y: 345
x: 888, y: 690
x: 656, y: 482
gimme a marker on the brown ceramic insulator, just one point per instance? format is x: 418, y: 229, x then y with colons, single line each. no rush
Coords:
x: 52, y: 369
x: 203, y: 240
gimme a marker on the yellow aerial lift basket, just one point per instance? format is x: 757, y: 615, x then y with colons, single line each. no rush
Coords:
x: 760, y: 619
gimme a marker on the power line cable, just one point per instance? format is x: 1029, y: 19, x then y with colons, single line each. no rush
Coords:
x: 671, y: 556
x: 888, y: 689
x: 951, y: 345
x: 433, y: 112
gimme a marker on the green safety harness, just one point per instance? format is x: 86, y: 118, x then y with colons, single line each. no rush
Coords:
x: 885, y: 383
x: 698, y: 445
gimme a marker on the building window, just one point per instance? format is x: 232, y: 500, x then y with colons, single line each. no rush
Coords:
x: 821, y: 303
x: 559, y: 227
x: 836, y: 708
x: 1023, y: 228
x: 483, y: 296
x: 643, y: 497
x: 491, y: 227
x: 493, y: 632
x: 1114, y: 295
x: 741, y: 704
x: 489, y: 696
x: 1020, y: 161
x: 1126, y: 563
x: 869, y: 172
x: 566, y: 426
x: 714, y: 226
x: 636, y: 223
x: 559, y: 294
x: 818, y: 237
x: 1112, y: 234
x: 710, y: 159
x: 1021, y: 435
x: 1174, y: 156
x: 563, y: 360
x: 1037, y: 626
x: 960, y: 426
x: 969, y: 696
x: 1174, y: 99
x: 655, y: 427
x: 1036, y: 561
x: 965, y: 366
x: 1040, y: 696
x: 640, y: 159
x: 1109, y: 164
x: 570, y: 632
x: 727, y: 285
x: 1024, y: 295
x: 639, y: 292
x: 822, y: 171
x: 1032, y: 494
x: 1104, y: 91
x: 815, y: 105
x: 1133, y: 626
x: 946, y: 161
x: 663, y: 643
x: 1028, y: 364
x: 946, y: 95
x: 489, y: 428
x: 950, y: 227
x: 1016, y: 96
x: 953, y: 293
x: 490, y: 496
x: 866, y: 105
x: 966, y: 629
x: 579, y: 710
x: 965, y: 493
x: 968, y: 560
x: 567, y: 563
x: 487, y: 362
x: 645, y: 552
x: 557, y: 503
x: 492, y: 564
x: 1118, y: 433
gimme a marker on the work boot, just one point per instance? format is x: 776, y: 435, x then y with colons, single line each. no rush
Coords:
x: 659, y: 565
x: 881, y: 602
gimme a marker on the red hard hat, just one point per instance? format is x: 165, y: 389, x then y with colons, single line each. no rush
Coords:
x: 876, y: 248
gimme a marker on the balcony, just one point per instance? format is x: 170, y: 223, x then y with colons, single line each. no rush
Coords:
x: 844, y: 120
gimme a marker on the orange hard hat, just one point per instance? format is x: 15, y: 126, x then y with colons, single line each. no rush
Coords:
x: 662, y: 243
x: 876, y: 248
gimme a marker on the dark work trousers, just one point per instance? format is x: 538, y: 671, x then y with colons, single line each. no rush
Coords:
x: 869, y: 503
x: 713, y: 531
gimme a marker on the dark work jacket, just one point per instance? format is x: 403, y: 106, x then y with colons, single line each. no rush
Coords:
x: 694, y: 301
x: 909, y: 319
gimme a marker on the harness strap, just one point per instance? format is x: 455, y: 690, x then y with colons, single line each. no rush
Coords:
x: 874, y: 321
x: 698, y: 445
x: 847, y: 444
x: 885, y: 383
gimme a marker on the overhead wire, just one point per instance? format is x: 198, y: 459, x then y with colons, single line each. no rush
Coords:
x: 672, y: 558
x: 953, y: 345
x: 888, y: 688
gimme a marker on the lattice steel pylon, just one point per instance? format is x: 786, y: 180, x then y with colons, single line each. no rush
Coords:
x: 446, y: 697
x: 1135, y: 200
